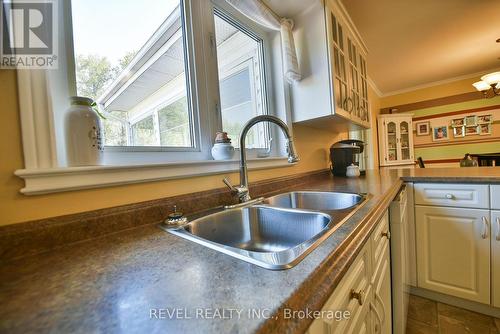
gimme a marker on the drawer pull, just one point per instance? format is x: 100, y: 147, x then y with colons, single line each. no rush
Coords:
x: 449, y: 196
x: 498, y: 229
x: 484, y: 235
x: 386, y: 234
x: 357, y: 295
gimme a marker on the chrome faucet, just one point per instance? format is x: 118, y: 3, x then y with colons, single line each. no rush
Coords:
x: 242, y: 190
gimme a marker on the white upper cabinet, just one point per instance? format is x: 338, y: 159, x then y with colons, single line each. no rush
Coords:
x: 333, y: 93
x: 395, y: 136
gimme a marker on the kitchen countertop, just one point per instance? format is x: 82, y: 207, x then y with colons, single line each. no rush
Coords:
x: 131, y: 281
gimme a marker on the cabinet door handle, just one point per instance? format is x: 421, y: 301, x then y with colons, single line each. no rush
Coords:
x: 374, y: 309
x: 377, y: 296
x: 484, y: 235
x: 497, y: 237
x: 357, y: 295
x: 449, y: 196
x: 386, y: 234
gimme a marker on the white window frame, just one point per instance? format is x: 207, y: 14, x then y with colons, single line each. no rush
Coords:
x: 43, y: 93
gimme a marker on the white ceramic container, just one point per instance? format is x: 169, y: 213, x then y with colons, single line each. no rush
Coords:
x: 352, y: 171
x: 222, y: 151
x: 83, y: 131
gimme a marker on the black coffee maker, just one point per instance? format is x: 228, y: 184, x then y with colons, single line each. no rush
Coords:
x: 345, y: 153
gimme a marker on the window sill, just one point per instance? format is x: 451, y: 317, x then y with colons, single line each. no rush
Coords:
x: 52, y: 180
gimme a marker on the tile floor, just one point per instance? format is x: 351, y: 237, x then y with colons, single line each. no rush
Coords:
x: 429, y: 317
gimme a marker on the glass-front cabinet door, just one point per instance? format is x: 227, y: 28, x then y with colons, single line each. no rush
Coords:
x: 404, y: 140
x: 392, y: 141
x: 336, y: 33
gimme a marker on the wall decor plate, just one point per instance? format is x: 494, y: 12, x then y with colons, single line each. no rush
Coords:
x: 457, y: 122
x: 440, y: 133
x: 459, y: 131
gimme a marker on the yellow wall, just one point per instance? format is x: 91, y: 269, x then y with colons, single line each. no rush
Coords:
x: 375, y: 111
x: 312, y: 145
x: 429, y: 93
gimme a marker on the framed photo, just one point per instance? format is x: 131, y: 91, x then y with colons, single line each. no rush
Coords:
x: 471, y: 120
x: 484, y: 129
x: 440, y: 133
x: 484, y: 119
x: 423, y: 128
x: 459, y: 131
x: 457, y: 122
x: 471, y: 130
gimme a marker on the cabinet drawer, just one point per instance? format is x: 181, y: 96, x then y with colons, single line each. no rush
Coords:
x: 495, y: 197
x: 459, y: 195
x: 356, y: 279
x: 379, y: 239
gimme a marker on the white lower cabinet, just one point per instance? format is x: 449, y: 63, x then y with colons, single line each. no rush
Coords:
x: 381, y: 304
x: 495, y: 260
x: 364, y: 291
x: 453, y: 251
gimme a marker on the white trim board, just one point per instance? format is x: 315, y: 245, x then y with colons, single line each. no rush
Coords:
x: 440, y: 82
x: 51, y: 180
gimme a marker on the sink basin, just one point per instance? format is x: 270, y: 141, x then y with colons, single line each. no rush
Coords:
x: 273, y: 238
x: 315, y: 200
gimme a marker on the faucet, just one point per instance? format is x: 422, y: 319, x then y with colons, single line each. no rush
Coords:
x: 242, y: 190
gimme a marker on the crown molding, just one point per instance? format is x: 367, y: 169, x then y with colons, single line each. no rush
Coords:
x: 373, y: 86
x: 440, y: 82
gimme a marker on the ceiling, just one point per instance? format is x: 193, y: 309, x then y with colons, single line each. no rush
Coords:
x: 413, y: 43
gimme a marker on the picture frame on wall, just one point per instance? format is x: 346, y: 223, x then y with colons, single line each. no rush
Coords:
x: 440, y: 133
x: 471, y: 120
x: 484, y: 129
x: 457, y: 122
x: 459, y: 131
x: 423, y: 128
x: 484, y: 119
x: 471, y: 130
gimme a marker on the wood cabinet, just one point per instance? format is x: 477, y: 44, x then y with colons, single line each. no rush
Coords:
x: 334, y: 90
x: 395, y: 136
x: 364, y: 291
x: 495, y: 258
x: 453, y: 251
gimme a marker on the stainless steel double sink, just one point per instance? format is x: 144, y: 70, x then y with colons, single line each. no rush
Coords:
x: 277, y: 233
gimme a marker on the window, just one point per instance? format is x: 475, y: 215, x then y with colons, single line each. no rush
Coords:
x: 241, y: 86
x: 136, y: 73
x: 134, y: 70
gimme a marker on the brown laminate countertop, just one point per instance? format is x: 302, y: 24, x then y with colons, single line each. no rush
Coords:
x: 115, y: 283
